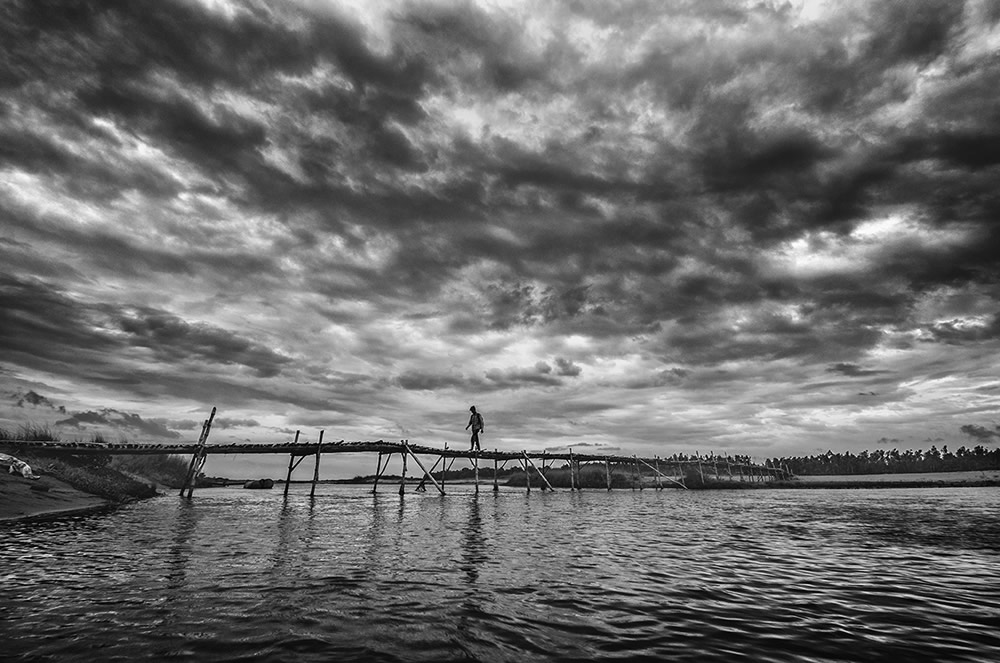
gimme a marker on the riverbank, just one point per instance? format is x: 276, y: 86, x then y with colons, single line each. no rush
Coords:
x: 47, y: 497
x: 67, y: 484
x: 968, y: 479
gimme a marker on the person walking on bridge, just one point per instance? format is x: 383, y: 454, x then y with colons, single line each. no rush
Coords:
x: 476, y: 423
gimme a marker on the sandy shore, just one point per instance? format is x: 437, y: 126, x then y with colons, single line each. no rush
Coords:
x: 970, y: 477
x: 24, y: 499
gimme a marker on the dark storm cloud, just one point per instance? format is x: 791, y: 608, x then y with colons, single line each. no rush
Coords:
x: 149, y: 68
x: 121, y: 420
x: 513, y: 378
x: 763, y: 173
x: 174, y: 339
x: 541, y: 374
x: 664, y: 378
x: 567, y: 368
x: 852, y: 370
x: 959, y: 332
x: 225, y: 422
x: 41, y: 326
x: 553, y: 191
x: 980, y: 432
x: 417, y: 381
x: 31, y: 398
x: 183, y: 424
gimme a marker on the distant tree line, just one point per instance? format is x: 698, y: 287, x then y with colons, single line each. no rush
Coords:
x: 895, y: 461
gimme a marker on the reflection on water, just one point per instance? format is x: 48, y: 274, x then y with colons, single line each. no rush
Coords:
x: 760, y: 575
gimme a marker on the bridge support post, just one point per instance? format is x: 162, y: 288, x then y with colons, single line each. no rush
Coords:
x: 422, y: 486
x: 607, y: 470
x: 427, y: 475
x: 496, y: 470
x: 319, y: 448
x: 445, y: 468
x: 378, y: 472
x: 402, y: 476
x: 572, y: 478
x: 291, y: 465
x: 540, y: 473
x: 198, y: 459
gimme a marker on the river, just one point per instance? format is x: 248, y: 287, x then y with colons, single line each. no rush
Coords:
x: 740, y: 575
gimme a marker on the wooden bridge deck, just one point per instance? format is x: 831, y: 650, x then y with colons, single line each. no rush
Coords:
x: 670, y: 469
x: 311, y: 448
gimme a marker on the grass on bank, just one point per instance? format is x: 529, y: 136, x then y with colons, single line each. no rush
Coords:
x: 117, y: 478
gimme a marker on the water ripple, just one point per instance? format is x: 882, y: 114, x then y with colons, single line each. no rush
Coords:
x: 629, y: 575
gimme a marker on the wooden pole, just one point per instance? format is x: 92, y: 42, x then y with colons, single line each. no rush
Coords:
x: 572, y: 479
x: 421, y: 487
x: 527, y: 475
x: 659, y: 483
x: 191, y: 477
x: 660, y: 474
x: 194, y: 460
x: 402, y: 476
x: 496, y: 470
x: 445, y: 468
x: 607, y: 470
x: 319, y: 447
x: 291, y: 460
x: 540, y: 473
x: 378, y: 472
x: 421, y: 466
x: 475, y: 463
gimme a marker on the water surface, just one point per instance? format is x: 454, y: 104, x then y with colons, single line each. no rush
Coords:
x: 754, y: 575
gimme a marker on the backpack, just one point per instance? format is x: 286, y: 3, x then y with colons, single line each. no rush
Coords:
x: 479, y: 421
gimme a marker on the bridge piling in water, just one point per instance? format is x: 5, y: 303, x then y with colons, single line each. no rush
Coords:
x: 198, y: 458
x: 319, y: 447
x: 496, y: 471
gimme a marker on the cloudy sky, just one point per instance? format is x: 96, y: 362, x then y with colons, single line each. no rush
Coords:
x: 759, y: 227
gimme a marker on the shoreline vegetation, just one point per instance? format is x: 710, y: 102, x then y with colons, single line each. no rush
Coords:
x: 594, y: 477
x: 76, y: 483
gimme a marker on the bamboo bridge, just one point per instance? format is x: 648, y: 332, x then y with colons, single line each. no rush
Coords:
x: 663, y: 471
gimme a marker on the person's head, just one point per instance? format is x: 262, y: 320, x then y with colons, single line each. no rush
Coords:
x: 472, y: 409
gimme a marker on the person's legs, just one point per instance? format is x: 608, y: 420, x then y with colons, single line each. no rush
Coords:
x: 474, y: 442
